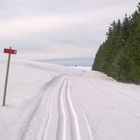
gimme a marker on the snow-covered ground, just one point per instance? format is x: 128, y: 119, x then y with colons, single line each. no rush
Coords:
x: 50, y: 102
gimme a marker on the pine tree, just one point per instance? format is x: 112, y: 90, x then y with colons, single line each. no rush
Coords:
x: 119, y: 55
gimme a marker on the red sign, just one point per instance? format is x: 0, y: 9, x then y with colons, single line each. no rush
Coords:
x: 10, y: 51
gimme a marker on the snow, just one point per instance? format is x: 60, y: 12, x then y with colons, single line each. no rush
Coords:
x: 47, y: 101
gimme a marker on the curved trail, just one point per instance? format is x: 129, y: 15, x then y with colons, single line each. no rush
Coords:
x: 67, y: 119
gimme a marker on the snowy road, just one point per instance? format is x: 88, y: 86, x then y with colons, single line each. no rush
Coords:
x: 60, y: 103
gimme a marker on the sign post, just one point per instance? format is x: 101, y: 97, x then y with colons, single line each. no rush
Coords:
x: 9, y: 51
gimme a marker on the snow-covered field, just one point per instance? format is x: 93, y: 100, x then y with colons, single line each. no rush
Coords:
x: 50, y: 102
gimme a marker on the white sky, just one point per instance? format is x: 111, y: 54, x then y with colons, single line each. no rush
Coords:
x: 58, y: 28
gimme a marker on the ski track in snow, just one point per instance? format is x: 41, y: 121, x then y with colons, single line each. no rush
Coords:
x: 43, y: 121
x: 90, y: 132
x: 44, y: 101
x: 75, y: 130
x: 62, y: 127
x: 65, y: 105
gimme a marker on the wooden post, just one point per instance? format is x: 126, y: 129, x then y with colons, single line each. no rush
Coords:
x: 6, y: 78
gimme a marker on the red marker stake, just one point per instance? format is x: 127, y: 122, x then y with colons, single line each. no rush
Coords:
x: 9, y: 51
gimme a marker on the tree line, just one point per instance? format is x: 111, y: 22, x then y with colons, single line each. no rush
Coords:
x: 119, y: 55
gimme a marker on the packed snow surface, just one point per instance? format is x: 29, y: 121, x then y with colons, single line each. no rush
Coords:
x: 50, y: 102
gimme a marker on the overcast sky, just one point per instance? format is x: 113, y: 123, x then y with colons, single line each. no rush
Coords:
x: 58, y: 28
